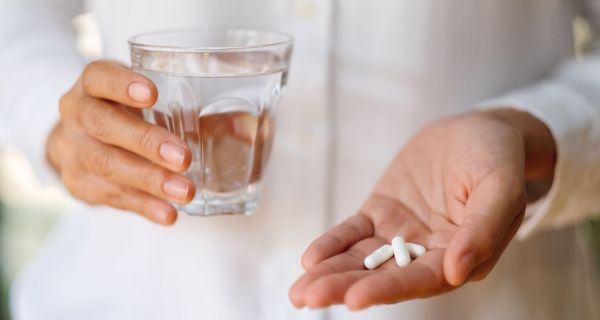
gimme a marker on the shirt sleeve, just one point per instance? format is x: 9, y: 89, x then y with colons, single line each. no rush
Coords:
x: 569, y: 104
x: 39, y: 62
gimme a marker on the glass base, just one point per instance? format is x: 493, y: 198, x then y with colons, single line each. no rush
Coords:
x: 207, y: 203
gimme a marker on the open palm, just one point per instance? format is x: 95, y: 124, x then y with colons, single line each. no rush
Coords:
x: 458, y: 188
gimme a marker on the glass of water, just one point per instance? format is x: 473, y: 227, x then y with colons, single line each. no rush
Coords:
x: 217, y: 90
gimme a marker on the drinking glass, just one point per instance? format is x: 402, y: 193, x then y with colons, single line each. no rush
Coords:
x: 217, y: 90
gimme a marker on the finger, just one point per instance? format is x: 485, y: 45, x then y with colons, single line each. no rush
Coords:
x: 136, y: 112
x: 352, y: 259
x: 490, y: 210
x: 97, y: 191
x: 424, y: 277
x: 337, y: 240
x: 332, y: 288
x: 482, y: 270
x: 125, y: 168
x: 109, y: 124
x: 112, y: 81
x: 340, y: 263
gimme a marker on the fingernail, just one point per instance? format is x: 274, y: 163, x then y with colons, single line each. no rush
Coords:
x: 172, y: 153
x: 176, y: 188
x: 139, y: 91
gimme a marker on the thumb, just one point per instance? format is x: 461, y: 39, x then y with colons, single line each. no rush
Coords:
x: 490, y: 210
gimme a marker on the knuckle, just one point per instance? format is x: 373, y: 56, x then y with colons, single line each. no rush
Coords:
x: 102, y: 162
x: 58, y: 140
x: 152, y: 179
x: 96, y: 119
x: 145, y: 139
x: 114, y: 84
x: 68, y: 182
x: 115, y: 197
x: 90, y: 74
x: 95, y: 198
x: 71, y: 183
x: 124, y: 198
x: 64, y: 104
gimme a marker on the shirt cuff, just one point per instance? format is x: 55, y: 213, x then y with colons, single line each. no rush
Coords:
x: 575, y: 126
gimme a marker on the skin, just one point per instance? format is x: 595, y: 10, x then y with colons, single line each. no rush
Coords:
x: 106, y: 154
x: 458, y: 187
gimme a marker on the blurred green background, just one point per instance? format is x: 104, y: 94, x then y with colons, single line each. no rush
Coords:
x: 593, y: 234
x: 27, y: 212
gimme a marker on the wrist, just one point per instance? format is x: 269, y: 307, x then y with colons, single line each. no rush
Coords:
x: 540, y: 147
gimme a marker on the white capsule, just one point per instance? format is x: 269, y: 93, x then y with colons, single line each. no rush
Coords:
x: 416, y: 250
x: 400, y: 251
x: 379, y: 256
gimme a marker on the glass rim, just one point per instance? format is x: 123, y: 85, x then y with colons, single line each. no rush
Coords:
x: 136, y: 42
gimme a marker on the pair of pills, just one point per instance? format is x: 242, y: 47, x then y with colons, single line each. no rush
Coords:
x: 401, y: 250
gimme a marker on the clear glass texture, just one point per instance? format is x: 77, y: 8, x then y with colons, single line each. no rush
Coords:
x: 217, y: 90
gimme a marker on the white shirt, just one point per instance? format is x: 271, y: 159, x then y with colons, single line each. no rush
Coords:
x: 365, y: 76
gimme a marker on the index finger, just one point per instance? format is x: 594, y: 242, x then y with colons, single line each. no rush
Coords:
x: 103, y: 121
x: 112, y: 81
x: 337, y: 240
x: 422, y: 278
x: 346, y: 268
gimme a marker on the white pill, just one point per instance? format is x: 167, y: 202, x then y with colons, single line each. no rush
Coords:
x: 379, y: 256
x: 400, y: 251
x: 416, y: 250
